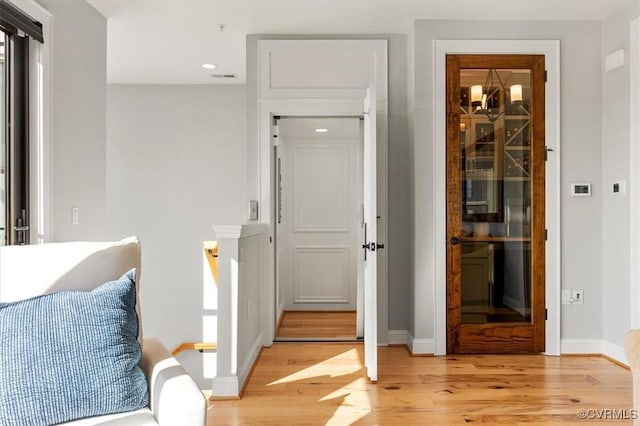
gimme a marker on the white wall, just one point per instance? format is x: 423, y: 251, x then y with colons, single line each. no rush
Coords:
x: 616, y: 261
x: 399, y: 189
x: 399, y: 177
x: 78, y: 119
x: 175, y: 167
x: 581, y: 150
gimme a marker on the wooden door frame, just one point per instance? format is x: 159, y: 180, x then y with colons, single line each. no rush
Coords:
x: 551, y: 50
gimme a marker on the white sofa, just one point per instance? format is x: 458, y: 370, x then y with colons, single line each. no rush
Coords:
x: 175, y: 399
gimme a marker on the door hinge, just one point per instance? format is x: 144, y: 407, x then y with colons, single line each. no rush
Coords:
x: 546, y: 234
x: 547, y: 150
x: 546, y: 314
x: 545, y: 76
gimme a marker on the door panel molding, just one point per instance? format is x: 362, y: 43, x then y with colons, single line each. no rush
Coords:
x: 334, y: 162
x: 306, y: 260
x: 322, y: 68
x: 551, y: 50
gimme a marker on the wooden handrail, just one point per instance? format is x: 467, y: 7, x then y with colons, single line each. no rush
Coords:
x: 195, y: 346
x: 211, y: 252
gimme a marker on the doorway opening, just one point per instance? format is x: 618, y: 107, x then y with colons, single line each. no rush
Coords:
x: 319, y: 224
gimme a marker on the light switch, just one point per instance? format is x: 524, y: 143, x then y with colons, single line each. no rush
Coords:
x: 75, y: 215
x: 619, y: 187
x: 253, y: 210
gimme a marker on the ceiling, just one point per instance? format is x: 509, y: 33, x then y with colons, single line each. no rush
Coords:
x: 167, y: 41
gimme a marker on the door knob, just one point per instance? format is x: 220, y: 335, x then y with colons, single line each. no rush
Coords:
x: 370, y: 246
x: 455, y: 241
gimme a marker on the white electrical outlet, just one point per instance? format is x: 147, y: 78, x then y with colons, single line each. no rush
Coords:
x: 578, y: 296
x: 572, y: 297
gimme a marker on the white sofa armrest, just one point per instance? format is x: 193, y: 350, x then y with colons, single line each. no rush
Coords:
x: 174, y: 397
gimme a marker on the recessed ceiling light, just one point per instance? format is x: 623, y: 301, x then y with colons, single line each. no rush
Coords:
x: 321, y: 130
x: 209, y: 66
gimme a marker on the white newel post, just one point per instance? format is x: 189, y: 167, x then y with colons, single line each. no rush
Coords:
x: 226, y: 383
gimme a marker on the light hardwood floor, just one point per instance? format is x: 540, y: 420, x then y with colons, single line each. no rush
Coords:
x: 320, y: 383
x: 318, y: 324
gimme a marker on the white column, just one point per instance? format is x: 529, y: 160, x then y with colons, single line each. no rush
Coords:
x: 226, y: 383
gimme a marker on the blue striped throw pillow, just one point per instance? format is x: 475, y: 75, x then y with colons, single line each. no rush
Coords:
x: 70, y: 355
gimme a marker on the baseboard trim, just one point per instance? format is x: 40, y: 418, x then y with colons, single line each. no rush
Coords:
x: 398, y: 337
x: 223, y: 398
x: 614, y: 353
x: 225, y: 387
x: 415, y: 347
x: 232, y: 387
x: 581, y: 346
x: 422, y: 347
x: 279, y: 322
x: 594, y: 347
x: 249, y: 363
x: 253, y: 367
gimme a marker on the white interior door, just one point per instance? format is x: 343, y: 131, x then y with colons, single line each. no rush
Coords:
x: 319, y: 220
x: 371, y: 233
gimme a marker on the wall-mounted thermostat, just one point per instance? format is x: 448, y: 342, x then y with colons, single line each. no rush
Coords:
x: 581, y: 189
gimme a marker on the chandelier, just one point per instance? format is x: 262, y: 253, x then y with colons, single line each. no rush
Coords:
x: 485, y: 98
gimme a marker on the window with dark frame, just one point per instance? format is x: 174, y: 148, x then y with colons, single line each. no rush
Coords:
x: 16, y: 30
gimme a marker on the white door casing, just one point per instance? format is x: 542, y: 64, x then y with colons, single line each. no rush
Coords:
x: 318, y: 213
x: 279, y: 95
x: 371, y: 232
x: 634, y: 174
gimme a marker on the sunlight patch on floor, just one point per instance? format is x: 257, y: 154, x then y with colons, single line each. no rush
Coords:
x: 355, y: 404
x: 340, y: 365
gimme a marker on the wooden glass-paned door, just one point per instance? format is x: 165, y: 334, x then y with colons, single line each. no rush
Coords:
x: 495, y: 203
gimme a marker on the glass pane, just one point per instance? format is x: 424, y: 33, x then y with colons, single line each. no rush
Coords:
x: 3, y: 151
x: 495, y: 146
